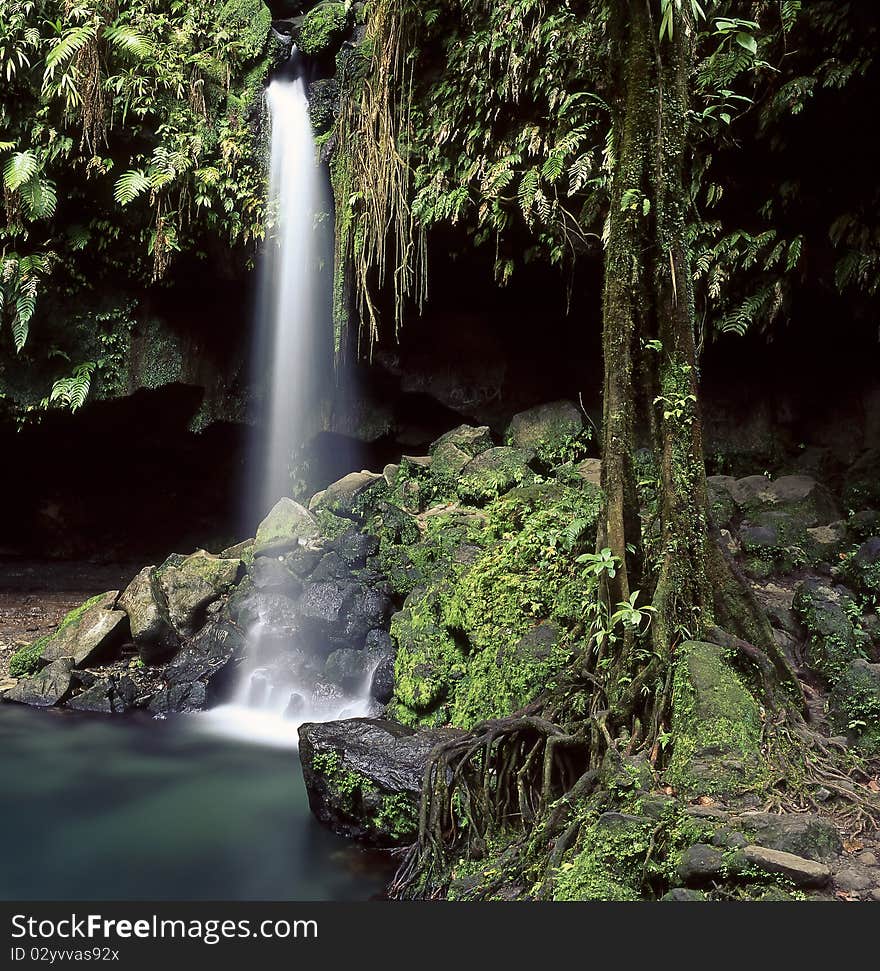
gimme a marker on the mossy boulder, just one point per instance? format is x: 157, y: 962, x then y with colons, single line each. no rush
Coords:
x: 429, y: 660
x: 87, y: 633
x: 494, y: 472
x: 716, y: 726
x: 187, y: 585
x: 803, y: 834
x: 363, y: 777
x: 287, y: 526
x: 469, y: 439
x: 855, y: 705
x: 321, y: 27
x: 825, y: 612
x: 548, y: 430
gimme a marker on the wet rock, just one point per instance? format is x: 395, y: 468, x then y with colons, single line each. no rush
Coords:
x: 700, y: 864
x: 201, y: 674
x: 347, y: 667
x: 363, y: 776
x: 149, y: 629
x: 189, y: 584
x: 109, y: 696
x: 276, y: 615
x: 89, y: 632
x: 494, y: 472
x: 382, y: 681
x: 272, y: 574
x: 355, y: 547
x: 546, y: 428
x: 287, y: 526
x: 802, y: 872
x: 46, y: 688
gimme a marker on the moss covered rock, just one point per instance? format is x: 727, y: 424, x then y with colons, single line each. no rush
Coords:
x: 716, y: 726
x: 855, y: 704
x: 188, y: 584
x: 364, y: 776
x: 825, y: 612
x: 321, y: 27
x: 88, y: 632
x: 48, y: 687
x: 287, y: 525
x: 323, y: 104
x: 551, y: 431
x: 494, y: 472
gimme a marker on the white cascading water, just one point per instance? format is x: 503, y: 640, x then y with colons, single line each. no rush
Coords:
x: 279, y: 684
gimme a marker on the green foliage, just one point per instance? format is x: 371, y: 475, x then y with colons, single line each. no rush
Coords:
x: 145, y: 112
x: 321, y: 25
x: 26, y: 660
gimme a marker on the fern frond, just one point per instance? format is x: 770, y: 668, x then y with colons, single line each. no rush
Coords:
x: 130, y: 185
x: 129, y: 41
x: 20, y: 168
x: 40, y: 198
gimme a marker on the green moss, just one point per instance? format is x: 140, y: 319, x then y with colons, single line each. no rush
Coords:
x: 26, y: 660
x: 831, y: 642
x: 321, y: 26
x: 855, y: 705
x: 248, y: 21
x: 392, y: 817
x: 716, y: 726
x: 608, y: 862
x: 465, y: 647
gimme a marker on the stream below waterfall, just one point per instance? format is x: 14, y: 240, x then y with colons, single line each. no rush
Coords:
x: 98, y: 808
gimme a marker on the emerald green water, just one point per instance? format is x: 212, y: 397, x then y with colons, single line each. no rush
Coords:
x: 97, y: 808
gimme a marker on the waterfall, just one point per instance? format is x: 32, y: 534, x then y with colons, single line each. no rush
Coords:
x: 280, y: 684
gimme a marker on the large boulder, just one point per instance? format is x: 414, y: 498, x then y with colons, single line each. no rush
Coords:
x: 188, y: 584
x: 88, y: 632
x: 150, y: 630
x: 341, y: 612
x: 716, y: 725
x: 470, y: 440
x: 864, y: 568
x: 803, y: 834
x: 494, y: 472
x: 831, y: 640
x: 287, y: 526
x: 46, y: 688
x: 546, y: 429
x: 364, y: 776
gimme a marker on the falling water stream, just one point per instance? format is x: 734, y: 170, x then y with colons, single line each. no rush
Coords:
x: 279, y: 684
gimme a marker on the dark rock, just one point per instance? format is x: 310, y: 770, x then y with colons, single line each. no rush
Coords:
x: 46, y: 688
x: 382, y: 681
x: 201, y: 673
x: 110, y: 696
x: 853, y: 879
x: 364, y: 776
x: 276, y: 615
x: 355, y: 547
x: 347, y: 668
x: 701, y: 864
x: 684, y: 895
x: 864, y: 568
